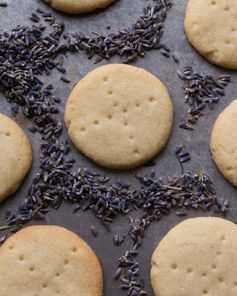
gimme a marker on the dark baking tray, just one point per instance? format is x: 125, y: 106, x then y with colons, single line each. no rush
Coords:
x: 119, y: 15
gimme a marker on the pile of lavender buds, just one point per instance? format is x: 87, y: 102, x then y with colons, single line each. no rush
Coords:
x: 201, y: 90
x: 145, y: 34
x: 26, y: 53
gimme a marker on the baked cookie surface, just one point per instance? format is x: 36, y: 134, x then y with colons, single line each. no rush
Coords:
x: 15, y: 156
x: 211, y: 28
x: 48, y: 261
x: 78, y: 6
x: 196, y: 257
x: 120, y: 116
x: 224, y: 143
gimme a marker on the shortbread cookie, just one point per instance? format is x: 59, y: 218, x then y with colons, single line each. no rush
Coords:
x: 197, y: 257
x: 78, y: 6
x: 120, y: 116
x: 15, y: 156
x: 212, y: 29
x: 48, y: 261
x: 224, y: 143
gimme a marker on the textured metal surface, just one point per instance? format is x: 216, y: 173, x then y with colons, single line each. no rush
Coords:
x: 119, y: 15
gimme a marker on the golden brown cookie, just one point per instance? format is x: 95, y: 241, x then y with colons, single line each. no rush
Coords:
x: 224, y: 143
x: 211, y: 28
x: 197, y: 257
x: 120, y: 116
x: 15, y: 156
x: 48, y: 261
x: 78, y: 6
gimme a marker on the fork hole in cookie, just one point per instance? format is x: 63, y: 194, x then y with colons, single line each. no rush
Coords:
x: 227, y: 8
x: 204, y: 274
x: 8, y: 134
x: 125, y: 123
x: 204, y: 291
x: 115, y: 104
x: 174, y: 266
x: 137, y: 105
x: 96, y: 122
x: 189, y: 270
x: 131, y: 137
x: 220, y: 279
x: 74, y: 250
x: 110, y: 92
x: 21, y: 257
x: 66, y: 261
x: 82, y: 129
x: 45, y: 285
x: 110, y: 116
x: 136, y: 152
x: 32, y: 268
x: 105, y: 78
x: 213, y: 266
x: 151, y: 99
x: 213, y: 2
x: 222, y: 237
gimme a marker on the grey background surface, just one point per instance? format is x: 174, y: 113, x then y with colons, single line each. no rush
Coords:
x: 119, y: 15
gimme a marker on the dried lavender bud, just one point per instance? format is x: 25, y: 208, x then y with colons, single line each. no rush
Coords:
x: 118, y: 239
x: 3, y: 4
x: 94, y: 231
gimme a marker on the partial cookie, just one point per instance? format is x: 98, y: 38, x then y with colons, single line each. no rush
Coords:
x: 224, y: 143
x: 78, y: 6
x: 211, y: 28
x: 48, y: 261
x: 197, y: 257
x: 15, y: 156
x: 120, y: 116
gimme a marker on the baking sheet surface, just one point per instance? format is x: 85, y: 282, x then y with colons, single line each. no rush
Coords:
x: 119, y: 15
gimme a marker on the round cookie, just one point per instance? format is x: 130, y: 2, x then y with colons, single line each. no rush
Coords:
x: 15, y: 156
x: 224, y: 143
x: 48, y: 261
x: 78, y: 6
x: 211, y: 28
x: 197, y: 257
x: 120, y: 116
